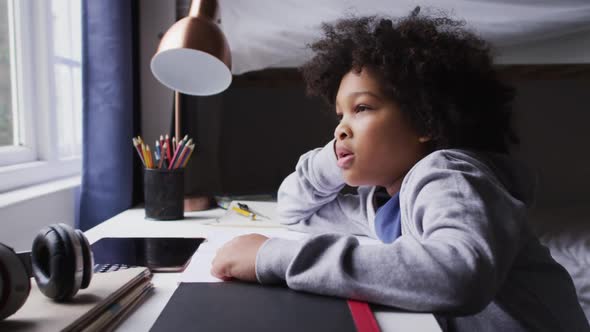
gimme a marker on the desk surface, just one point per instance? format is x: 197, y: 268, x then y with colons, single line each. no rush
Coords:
x: 131, y: 223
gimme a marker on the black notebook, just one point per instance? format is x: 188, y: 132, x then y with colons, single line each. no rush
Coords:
x: 237, y: 306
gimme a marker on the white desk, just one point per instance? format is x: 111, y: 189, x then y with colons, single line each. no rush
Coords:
x: 131, y: 223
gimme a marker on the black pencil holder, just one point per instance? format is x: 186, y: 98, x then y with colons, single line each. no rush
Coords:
x: 164, y: 193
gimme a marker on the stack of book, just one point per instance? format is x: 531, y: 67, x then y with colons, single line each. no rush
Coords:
x: 110, y: 297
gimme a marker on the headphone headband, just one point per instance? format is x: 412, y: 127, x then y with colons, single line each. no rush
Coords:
x: 25, y: 259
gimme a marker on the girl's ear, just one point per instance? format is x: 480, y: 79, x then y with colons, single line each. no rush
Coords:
x: 424, y: 139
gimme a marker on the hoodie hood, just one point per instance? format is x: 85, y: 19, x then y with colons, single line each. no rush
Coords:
x: 517, y: 177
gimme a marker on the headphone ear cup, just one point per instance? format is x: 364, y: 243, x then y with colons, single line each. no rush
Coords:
x: 15, y: 284
x: 88, y: 259
x: 56, y: 262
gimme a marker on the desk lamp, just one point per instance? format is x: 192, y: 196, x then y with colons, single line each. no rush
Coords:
x: 193, y: 56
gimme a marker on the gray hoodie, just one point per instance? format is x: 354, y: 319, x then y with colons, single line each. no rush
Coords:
x: 466, y: 252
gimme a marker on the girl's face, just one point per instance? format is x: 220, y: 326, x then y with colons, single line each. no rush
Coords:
x: 375, y: 143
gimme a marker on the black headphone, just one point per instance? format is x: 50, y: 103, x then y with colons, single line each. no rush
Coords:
x: 61, y: 262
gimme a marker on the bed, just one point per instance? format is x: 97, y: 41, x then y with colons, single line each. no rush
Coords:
x: 566, y: 232
x: 274, y: 33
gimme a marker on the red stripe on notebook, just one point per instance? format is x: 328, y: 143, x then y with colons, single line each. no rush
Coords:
x: 363, y: 316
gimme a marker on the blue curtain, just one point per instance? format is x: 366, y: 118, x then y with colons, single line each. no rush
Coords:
x: 110, y: 110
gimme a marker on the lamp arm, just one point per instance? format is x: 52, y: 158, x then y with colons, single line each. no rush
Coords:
x: 207, y: 8
x: 177, y: 123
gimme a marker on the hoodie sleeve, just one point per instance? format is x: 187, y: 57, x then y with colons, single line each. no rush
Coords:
x: 309, y: 199
x: 454, y: 258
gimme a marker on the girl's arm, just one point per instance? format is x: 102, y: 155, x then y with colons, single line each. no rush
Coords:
x: 467, y: 230
x: 309, y: 199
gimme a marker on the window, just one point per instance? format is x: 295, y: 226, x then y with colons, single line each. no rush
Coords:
x: 40, y: 91
x: 6, y: 124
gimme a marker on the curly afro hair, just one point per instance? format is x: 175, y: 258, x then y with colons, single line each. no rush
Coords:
x: 439, y: 74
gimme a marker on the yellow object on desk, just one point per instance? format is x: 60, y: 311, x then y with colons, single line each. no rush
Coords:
x: 238, y: 216
x: 245, y: 213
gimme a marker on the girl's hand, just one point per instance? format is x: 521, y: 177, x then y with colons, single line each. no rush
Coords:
x: 237, y: 258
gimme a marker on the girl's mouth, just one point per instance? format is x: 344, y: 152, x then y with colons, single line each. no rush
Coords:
x: 345, y: 160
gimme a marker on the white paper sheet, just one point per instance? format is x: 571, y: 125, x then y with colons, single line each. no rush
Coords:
x: 199, y: 268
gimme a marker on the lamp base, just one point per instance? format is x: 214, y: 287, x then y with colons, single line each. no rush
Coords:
x: 197, y: 203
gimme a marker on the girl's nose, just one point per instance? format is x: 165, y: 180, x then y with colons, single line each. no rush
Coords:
x: 342, y: 131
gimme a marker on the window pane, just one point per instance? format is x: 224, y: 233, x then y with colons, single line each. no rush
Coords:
x: 77, y: 116
x: 68, y: 106
x: 64, y: 109
x: 62, y: 45
x: 6, y: 116
x: 67, y: 43
x: 76, y: 24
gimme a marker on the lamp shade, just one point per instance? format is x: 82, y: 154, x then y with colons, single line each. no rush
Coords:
x: 193, y: 56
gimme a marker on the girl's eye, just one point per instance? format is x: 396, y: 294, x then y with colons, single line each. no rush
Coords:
x: 361, y: 108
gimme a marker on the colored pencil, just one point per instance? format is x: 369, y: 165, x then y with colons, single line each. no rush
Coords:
x: 168, y: 149
x: 157, y: 152
x: 164, y: 148
x: 192, y: 147
x: 149, y: 156
x: 138, y: 149
x: 151, y: 159
x: 183, y: 153
x: 144, y: 154
x: 171, y: 162
x: 176, y: 154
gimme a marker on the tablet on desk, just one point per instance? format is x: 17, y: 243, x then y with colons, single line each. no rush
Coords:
x: 157, y: 254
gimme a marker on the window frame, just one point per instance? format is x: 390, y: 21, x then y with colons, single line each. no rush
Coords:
x: 33, y: 93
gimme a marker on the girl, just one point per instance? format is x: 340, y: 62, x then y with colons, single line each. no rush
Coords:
x: 424, y: 133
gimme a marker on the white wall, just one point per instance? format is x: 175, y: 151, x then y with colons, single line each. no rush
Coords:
x: 21, y: 221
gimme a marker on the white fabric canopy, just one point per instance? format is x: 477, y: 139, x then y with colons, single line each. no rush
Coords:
x: 274, y: 33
